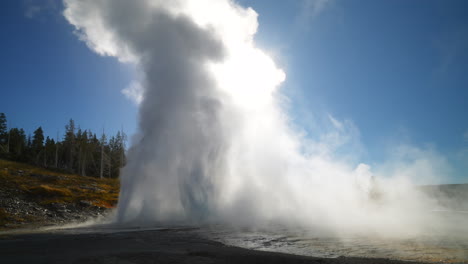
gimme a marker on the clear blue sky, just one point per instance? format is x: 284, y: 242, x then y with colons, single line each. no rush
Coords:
x: 398, y: 69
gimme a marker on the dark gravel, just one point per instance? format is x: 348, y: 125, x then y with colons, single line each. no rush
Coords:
x: 148, y: 246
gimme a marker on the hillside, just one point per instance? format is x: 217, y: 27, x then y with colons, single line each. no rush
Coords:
x: 32, y: 196
x: 449, y: 196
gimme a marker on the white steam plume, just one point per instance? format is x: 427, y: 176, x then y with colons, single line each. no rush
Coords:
x: 214, y: 142
x: 134, y: 92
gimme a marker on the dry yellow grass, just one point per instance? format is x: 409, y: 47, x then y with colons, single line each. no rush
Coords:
x: 47, y: 186
x: 48, y: 191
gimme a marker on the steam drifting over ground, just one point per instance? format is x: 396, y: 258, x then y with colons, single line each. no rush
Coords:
x: 215, y: 143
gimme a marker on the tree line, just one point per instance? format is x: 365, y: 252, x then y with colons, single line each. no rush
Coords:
x: 79, y: 151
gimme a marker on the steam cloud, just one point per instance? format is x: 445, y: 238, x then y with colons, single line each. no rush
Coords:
x: 214, y: 142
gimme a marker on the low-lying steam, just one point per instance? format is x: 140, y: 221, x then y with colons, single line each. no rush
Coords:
x: 214, y: 141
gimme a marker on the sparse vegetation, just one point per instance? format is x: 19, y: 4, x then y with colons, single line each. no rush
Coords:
x: 45, y: 191
x: 30, y: 195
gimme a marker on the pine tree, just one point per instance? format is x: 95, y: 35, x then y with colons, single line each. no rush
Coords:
x: 81, y: 152
x: 3, y: 134
x: 56, y: 160
x: 69, y: 145
x: 102, y: 156
x: 79, y: 146
x: 84, y: 148
x: 38, y: 139
x: 3, y: 128
x: 117, y: 153
x: 18, y: 144
x: 37, y: 145
x: 49, y: 152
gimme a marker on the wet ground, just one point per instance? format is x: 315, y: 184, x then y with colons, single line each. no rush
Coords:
x: 447, y: 243
x: 131, y: 245
x: 221, y: 244
x: 430, y: 248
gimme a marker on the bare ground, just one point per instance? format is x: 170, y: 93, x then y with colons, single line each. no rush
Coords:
x: 140, y: 246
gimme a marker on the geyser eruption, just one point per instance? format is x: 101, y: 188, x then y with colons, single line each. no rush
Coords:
x: 214, y: 141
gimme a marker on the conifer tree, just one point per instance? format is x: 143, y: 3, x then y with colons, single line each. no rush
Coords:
x: 18, y: 144
x: 69, y: 144
x: 49, y: 152
x: 38, y: 139
x: 3, y: 134
x: 37, y: 145
x: 81, y: 151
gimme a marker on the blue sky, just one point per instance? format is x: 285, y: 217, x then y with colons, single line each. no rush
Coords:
x: 49, y: 76
x: 398, y: 70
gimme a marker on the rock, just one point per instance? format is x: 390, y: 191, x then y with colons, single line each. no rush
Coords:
x: 43, y: 177
x: 91, y: 188
x: 86, y: 203
x: 57, y: 207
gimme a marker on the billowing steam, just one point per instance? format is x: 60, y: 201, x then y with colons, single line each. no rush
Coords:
x: 215, y: 143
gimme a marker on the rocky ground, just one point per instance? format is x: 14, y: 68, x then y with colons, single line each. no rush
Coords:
x: 19, y: 210
x: 30, y: 196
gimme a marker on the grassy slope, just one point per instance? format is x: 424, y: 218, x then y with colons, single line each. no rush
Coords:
x: 44, y: 188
